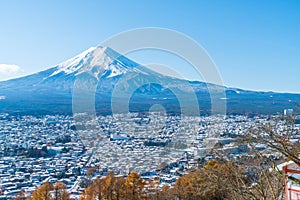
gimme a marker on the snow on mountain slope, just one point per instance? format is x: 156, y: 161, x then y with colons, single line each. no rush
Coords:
x: 51, y: 90
x: 99, y: 61
x: 73, y: 64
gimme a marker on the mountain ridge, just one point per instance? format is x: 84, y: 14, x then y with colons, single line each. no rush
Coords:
x: 51, y: 90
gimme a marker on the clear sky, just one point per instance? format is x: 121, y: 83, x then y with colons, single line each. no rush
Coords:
x: 254, y: 43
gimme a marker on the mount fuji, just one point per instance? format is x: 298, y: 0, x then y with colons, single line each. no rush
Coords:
x: 113, y: 75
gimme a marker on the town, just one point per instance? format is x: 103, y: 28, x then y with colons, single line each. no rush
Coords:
x: 76, y: 149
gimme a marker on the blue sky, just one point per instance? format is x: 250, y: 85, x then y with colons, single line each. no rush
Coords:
x: 255, y: 44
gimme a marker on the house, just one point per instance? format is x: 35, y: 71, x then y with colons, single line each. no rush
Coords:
x: 292, y: 189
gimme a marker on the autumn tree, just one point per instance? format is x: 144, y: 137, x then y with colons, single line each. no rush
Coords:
x: 208, y: 182
x: 134, y: 186
x: 20, y: 195
x: 47, y: 191
x: 119, y: 188
x: 43, y: 192
x: 221, y: 179
x: 90, y: 172
x: 60, y: 192
x: 108, y: 188
x: 163, y: 194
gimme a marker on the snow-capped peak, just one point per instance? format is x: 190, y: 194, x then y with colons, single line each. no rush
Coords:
x: 98, y: 60
x: 73, y: 64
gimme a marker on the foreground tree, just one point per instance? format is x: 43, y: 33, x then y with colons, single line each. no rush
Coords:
x: 43, y: 192
x: 20, y: 195
x: 60, y: 192
x: 277, y: 137
x: 213, y: 181
x: 108, y: 188
x: 47, y: 191
x: 134, y: 186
